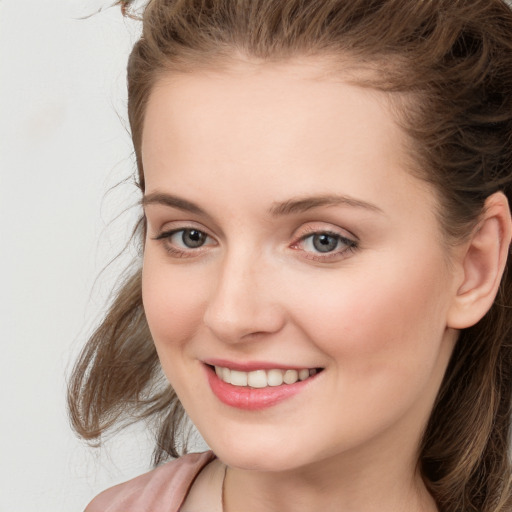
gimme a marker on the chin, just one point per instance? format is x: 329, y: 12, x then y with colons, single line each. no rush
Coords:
x: 259, y: 454
x: 256, y: 460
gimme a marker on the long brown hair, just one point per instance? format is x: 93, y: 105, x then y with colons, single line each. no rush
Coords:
x: 452, y: 59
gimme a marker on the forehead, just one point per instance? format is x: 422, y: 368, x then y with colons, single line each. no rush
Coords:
x: 261, y: 100
x: 294, y: 126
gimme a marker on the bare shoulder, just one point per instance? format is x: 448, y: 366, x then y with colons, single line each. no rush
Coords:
x: 166, y: 486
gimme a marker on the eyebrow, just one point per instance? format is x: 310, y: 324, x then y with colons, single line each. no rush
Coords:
x: 304, y: 204
x: 172, y: 201
x: 289, y: 207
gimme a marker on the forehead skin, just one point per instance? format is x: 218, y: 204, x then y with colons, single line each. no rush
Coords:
x: 284, y: 118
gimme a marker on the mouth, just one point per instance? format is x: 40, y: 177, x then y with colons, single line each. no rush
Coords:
x: 259, y: 388
x: 259, y: 379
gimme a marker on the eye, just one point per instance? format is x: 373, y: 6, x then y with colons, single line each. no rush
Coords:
x: 185, y: 241
x: 190, y: 238
x: 322, y: 245
x: 322, y: 242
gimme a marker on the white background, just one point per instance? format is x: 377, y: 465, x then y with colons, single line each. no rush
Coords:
x: 63, y: 145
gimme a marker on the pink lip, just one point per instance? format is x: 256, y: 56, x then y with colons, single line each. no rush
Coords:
x: 250, y: 366
x: 252, y: 399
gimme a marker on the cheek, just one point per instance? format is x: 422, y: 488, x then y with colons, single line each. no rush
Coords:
x: 172, y: 302
x: 374, y: 323
x: 383, y: 334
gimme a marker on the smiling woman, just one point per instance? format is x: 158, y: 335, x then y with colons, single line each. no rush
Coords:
x: 326, y: 231
x: 361, y: 293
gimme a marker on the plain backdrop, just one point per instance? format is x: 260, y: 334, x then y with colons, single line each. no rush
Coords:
x: 66, y: 209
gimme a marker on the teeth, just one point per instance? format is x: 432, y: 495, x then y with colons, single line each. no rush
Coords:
x: 274, y: 377
x: 291, y: 376
x: 226, y: 375
x: 238, y: 378
x: 257, y: 379
x: 263, y: 378
x: 304, y: 374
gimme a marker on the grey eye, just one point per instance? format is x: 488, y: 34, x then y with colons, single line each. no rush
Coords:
x: 193, y: 238
x: 324, y: 242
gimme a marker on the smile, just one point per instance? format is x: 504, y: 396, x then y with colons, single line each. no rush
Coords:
x: 258, y: 389
x: 263, y: 378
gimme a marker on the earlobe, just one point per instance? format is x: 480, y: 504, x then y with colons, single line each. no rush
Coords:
x: 483, y: 262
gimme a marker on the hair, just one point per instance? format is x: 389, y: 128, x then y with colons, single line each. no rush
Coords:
x: 453, y: 60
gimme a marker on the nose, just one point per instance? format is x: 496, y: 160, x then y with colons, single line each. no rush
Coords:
x: 244, y: 304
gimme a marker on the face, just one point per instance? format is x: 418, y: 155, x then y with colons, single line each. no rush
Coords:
x: 295, y: 280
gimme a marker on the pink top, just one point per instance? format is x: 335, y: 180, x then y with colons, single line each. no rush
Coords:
x: 162, y: 490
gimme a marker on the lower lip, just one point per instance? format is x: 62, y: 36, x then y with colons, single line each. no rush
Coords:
x: 252, y: 399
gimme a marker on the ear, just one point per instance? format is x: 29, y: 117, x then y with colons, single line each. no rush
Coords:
x: 482, y: 260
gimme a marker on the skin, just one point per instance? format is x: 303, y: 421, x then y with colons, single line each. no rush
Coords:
x: 375, y: 317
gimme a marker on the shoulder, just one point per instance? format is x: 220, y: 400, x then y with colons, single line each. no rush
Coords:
x: 166, y: 486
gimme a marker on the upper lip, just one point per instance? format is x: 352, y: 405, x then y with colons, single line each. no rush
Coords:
x: 249, y: 366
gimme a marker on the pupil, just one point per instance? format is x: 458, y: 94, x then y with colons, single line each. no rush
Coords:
x: 193, y: 238
x: 325, y: 243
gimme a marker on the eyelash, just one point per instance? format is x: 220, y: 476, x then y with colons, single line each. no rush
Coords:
x: 349, y: 245
x: 166, y: 236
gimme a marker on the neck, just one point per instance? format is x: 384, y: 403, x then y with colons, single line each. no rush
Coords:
x: 381, y: 480
x: 260, y: 492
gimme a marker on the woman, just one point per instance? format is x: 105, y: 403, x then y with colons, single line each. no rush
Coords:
x: 324, y: 283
